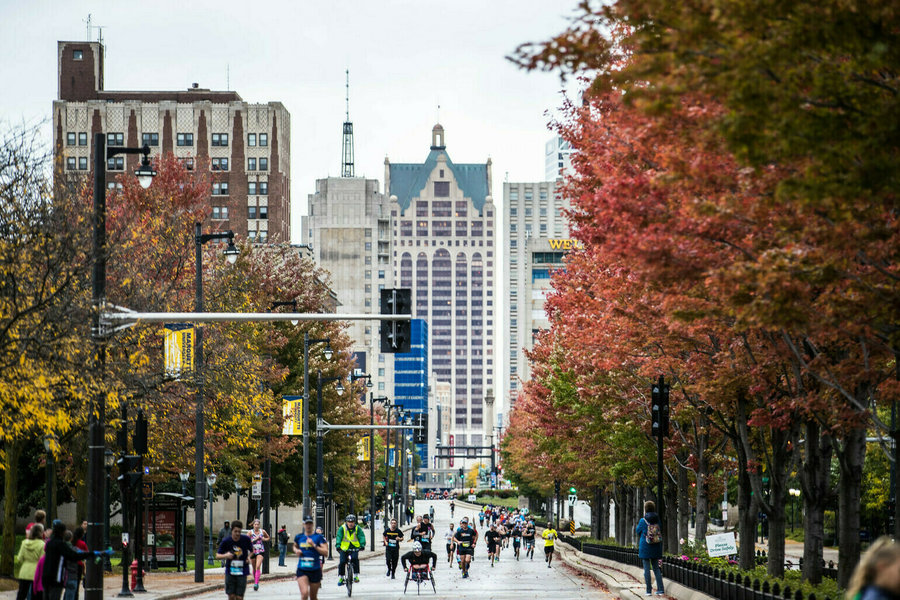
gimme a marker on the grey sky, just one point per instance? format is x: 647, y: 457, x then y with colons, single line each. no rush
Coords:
x: 405, y: 57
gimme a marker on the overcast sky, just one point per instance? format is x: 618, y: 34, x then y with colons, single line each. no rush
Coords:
x: 405, y: 57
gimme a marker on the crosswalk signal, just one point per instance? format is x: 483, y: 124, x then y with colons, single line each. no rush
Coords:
x: 659, y: 408
x: 395, y: 335
x: 129, y: 471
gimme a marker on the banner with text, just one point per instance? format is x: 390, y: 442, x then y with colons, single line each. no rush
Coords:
x: 178, y: 349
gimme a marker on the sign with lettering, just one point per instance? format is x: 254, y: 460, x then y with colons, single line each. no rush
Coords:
x: 292, y: 415
x: 721, y: 544
x: 564, y: 244
x: 178, y: 349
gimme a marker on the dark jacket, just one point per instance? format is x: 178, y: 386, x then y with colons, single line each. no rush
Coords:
x: 646, y: 550
x: 57, y: 554
x: 874, y: 593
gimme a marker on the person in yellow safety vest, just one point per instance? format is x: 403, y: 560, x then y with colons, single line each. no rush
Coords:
x: 350, y: 536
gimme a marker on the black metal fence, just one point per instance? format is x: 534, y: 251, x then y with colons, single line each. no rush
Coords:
x: 715, y: 582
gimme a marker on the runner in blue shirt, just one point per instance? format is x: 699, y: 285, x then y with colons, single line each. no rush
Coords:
x: 311, y: 548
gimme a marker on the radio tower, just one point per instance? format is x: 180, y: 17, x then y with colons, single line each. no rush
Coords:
x: 347, y: 162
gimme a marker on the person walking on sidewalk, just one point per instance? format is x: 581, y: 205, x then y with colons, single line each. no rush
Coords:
x: 30, y: 552
x: 877, y: 576
x: 283, y: 538
x: 649, y: 532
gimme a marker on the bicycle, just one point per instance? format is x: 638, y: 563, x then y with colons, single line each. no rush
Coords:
x: 351, y: 555
x: 419, y: 574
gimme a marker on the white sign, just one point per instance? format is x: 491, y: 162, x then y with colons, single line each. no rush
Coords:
x: 256, y: 491
x: 721, y: 544
x: 473, y: 498
x: 150, y: 539
x: 573, y: 498
x: 124, y: 538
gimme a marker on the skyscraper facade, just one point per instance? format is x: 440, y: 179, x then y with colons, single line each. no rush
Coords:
x: 349, y: 228
x: 557, y: 159
x: 538, y: 241
x: 411, y: 378
x: 443, y: 224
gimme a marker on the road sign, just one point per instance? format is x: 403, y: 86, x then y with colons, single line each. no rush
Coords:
x: 256, y: 490
x: 572, y: 527
x: 148, y: 490
x: 473, y: 498
x: 573, y: 498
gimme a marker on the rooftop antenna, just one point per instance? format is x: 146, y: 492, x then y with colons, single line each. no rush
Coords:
x: 347, y: 162
x: 438, y: 114
x: 88, y: 27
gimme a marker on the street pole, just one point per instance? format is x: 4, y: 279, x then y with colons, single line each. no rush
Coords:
x: 387, y: 471
x: 267, y: 502
x: 107, y: 457
x: 306, y: 424
x: 199, y: 441
x: 403, y: 471
x: 320, y: 460
x: 124, y: 489
x: 93, y: 577
x: 210, y: 557
x: 660, y: 439
x: 372, y: 472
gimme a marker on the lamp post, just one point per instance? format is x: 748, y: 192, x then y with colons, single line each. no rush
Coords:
x: 372, y: 401
x: 387, y: 463
x: 327, y: 353
x: 320, y: 437
x: 231, y: 254
x: 795, y: 493
x: 51, y: 477
x: 93, y: 579
x: 210, y: 482
x: 109, y: 459
x: 182, y: 554
x: 237, y: 489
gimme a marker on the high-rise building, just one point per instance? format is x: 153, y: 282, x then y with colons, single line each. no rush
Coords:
x: 411, y: 378
x: 349, y: 229
x: 538, y: 241
x: 557, y: 159
x: 443, y: 219
x: 247, y: 146
x: 439, y: 418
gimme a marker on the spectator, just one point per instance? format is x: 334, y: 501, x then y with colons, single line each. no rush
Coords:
x: 40, y: 518
x: 57, y: 555
x: 30, y: 552
x: 649, y: 532
x: 877, y: 576
x: 224, y: 532
x: 283, y: 538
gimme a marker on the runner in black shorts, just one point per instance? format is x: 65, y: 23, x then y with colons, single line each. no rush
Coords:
x: 311, y: 548
x: 236, y: 550
x: 392, y: 538
x: 465, y: 540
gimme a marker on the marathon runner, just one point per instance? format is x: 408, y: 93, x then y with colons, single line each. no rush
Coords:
x: 418, y: 557
x: 492, y: 538
x: 517, y: 539
x: 465, y: 539
x: 528, y: 536
x: 448, y: 537
x: 392, y: 538
x: 311, y: 548
x: 549, y: 536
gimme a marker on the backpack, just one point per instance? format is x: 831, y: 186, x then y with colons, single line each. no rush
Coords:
x: 654, y: 533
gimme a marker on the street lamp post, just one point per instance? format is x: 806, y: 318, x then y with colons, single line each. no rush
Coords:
x: 51, y: 477
x: 795, y: 493
x: 93, y: 578
x: 109, y: 459
x: 231, y: 254
x: 182, y: 554
x: 210, y: 482
x: 320, y: 438
x: 372, y: 401
x: 327, y: 353
x: 237, y: 489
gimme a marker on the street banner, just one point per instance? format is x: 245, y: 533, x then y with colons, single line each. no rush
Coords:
x: 391, y: 462
x: 721, y: 544
x: 292, y: 413
x: 178, y: 349
x: 362, y: 449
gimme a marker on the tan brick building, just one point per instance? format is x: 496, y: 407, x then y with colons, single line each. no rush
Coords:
x: 247, y: 145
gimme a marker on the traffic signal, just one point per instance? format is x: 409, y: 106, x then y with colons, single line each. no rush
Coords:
x: 140, y: 434
x: 129, y: 471
x: 420, y: 436
x: 462, y: 473
x: 396, y: 335
x: 572, y: 490
x: 659, y: 408
x: 556, y: 486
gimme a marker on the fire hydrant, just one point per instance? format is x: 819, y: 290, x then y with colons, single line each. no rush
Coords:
x: 134, y: 568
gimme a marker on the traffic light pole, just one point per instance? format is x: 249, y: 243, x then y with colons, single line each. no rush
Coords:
x: 659, y: 412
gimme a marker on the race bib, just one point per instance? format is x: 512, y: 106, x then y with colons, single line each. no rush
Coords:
x: 237, y: 567
x: 392, y: 543
x: 464, y: 544
x: 308, y: 563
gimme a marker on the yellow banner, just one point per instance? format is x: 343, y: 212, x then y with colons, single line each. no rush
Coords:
x: 178, y: 349
x: 362, y: 449
x: 292, y: 412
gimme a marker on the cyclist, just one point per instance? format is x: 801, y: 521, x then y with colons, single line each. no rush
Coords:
x: 549, y: 536
x: 528, y: 536
x: 492, y: 538
x: 517, y: 539
x: 418, y: 561
x: 311, y: 548
x: 349, y: 540
x: 465, y: 539
x: 392, y: 538
x: 448, y: 537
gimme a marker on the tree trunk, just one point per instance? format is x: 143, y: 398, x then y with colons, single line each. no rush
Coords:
x: 815, y: 482
x: 11, y: 500
x: 780, y: 467
x: 851, y: 458
x: 621, y: 501
x: 629, y: 516
x: 684, y: 504
x: 748, y: 506
x: 596, y: 509
x: 671, y: 515
x: 702, y: 486
x: 604, y: 516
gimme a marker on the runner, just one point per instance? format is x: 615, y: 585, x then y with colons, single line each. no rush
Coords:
x: 549, y: 536
x: 517, y: 539
x: 349, y: 535
x: 465, y: 539
x: 258, y: 537
x: 236, y: 550
x: 452, y: 508
x: 429, y: 533
x: 311, y: 548
x: 528, y: 536
x: 448, y: 537
x: 492, y: 538
x: 481, y: 518
x: 431, y: 512
x: 392, y: 538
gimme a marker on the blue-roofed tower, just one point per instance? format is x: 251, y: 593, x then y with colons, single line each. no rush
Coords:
x: 443, y: 218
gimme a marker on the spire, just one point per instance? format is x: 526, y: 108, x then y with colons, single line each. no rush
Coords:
x: 347, y: 162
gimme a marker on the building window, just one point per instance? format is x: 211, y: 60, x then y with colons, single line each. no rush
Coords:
x: 368, y: 303
x: 82, y: 139
x: 513, y: 211
x: 220, y: 188
x: 188, y: 163
x: 115, y: 139
x: 263, y: 164
x: 251, y: 139
x: 219, y: 212
x: 527, y: 211
x: 184, y: 139
x: 251, y: 212
x: 368, y: 260
x: 150, y: 139
x: 70, y: 138
x: 381, y: 358
x: 77, y: 54
x: 441, y: 189
x: 529, y: 194
x: 220, y: 139
x: 368, y: 232
x: 543, y: 211
x: 262, y: 236
x: 513, y: 228
x: 70, y: 163
x: 527, y: 227
x: 368, y: 274
x: 513, y: 194
x: 82, y: 163
x: 380, y: 386
x: 220, y: 164
x: 251, y: 164
x: 251, y: 188
x: 543, y: 228
x: 381, y: 274
x: 368, y: 246
x: 368, y: 288
x: 263, y: 212
x: 264, y: 139
x: 116, y: 163
x: 513, y: 243
x: 537, y: 274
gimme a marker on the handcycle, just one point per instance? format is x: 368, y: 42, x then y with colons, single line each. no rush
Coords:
x: 419, y: 574
x: 352, y: 554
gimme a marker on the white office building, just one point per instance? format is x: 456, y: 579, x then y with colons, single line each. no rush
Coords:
x: 557, y: 159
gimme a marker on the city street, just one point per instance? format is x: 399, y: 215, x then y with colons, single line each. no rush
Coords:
x: 508, y: 579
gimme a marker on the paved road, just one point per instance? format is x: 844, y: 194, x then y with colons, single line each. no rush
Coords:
x: 507, y: 580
